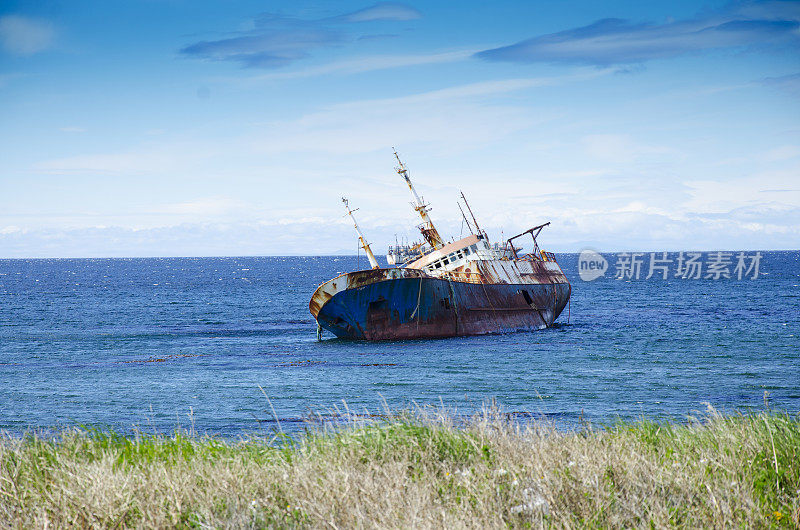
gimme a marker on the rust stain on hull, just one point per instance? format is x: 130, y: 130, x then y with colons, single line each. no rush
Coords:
x: 464, y: 287
x: 391, y: 304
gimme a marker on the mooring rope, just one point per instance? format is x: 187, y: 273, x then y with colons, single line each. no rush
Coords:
x: 419, y: 297
x: 494, y: 311
x: 453, y: 298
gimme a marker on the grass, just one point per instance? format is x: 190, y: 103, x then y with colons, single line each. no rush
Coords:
x: 415, y: 470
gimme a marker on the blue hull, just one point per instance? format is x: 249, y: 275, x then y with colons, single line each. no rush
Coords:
x: 422, y: 306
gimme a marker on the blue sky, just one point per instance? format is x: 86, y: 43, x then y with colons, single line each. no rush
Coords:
x: 187, y: 128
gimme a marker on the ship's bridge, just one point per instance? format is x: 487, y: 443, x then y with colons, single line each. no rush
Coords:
x: 454, y: 255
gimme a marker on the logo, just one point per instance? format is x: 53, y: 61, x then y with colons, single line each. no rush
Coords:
x: 629, y: 266
x: 591, y: 265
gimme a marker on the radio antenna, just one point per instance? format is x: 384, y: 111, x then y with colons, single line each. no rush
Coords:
x: 465, y: 218
x: 477, y: 228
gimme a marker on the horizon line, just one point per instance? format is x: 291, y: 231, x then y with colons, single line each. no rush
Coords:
x: 232, y: 256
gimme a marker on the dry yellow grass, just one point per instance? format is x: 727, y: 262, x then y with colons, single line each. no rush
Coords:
x: 415, y: 470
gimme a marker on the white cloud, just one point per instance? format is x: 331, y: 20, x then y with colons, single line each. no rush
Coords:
x: 784, y: 152
x: 762, y: 226
x: 365, y: 64
x: 147, y: 158
x: 483, y: 88
x: 620, y: 148
x: 615, y: 41
x: 568, y: 176
x: 715, y: 196
x: 454, y: 118
x: 25, y: 36
x: 206, y: 207
x: 383, y: 11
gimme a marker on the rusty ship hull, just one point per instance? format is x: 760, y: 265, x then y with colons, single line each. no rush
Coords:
x: 406, y: 303
x: 444, y: 288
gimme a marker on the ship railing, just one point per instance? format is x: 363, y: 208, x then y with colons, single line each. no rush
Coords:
x: 463, y: 276
x: 549, y: 256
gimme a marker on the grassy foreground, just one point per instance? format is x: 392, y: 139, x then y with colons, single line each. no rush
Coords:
x: 415, y: 470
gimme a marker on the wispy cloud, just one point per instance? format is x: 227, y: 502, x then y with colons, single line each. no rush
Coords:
x: 781, y: 153
x: 278, y: 40
x: 149, y: 158
x: 455, y: 118
x: 723, y: 195
x: 616, y: 41
x: 25, y: 36
x: 266, y: 50
x: 206, y: 206
x: 367, y: 64
x: 382, y: 11
x: 481, y: 88
x: 788, y: 83
x: 621, y: 148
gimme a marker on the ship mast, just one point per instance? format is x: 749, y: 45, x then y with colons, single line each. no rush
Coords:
x: 429, y: 231
x: 474, y: 221
x: 364, y: 244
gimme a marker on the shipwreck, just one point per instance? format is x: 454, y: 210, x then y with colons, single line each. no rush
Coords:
x: 444, y: 289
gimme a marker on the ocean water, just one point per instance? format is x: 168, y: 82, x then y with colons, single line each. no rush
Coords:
x: 157, y: 343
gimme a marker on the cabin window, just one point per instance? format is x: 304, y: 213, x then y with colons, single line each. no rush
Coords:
x: 444, y: 261
x: 452, y: 256
x: 466, y: 251
x: 438, y: 264
x: 474, y: 248
x: 459, y: 254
